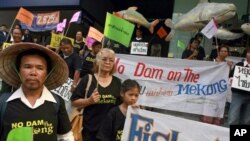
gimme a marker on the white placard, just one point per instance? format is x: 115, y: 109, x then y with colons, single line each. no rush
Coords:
x: 64, y: 90
x: 241, y: 78
x: 140, y: 48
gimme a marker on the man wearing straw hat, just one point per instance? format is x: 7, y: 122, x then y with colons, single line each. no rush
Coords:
x: 34, y: 70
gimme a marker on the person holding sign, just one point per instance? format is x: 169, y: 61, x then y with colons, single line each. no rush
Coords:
x: 112, y: 127
x: 34, y: 70
x: 103, y: 94
x: 239, y: 112
x: 139, y: 45
x: 191, y: 52
x: 223, y: 52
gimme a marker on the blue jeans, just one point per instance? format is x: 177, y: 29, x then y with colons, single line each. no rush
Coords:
x: 239, y: 112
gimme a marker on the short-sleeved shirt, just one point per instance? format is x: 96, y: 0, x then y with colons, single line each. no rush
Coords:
x: 74, y: 63
x: 110, y: 97
x: 46, y: 121
x: 87, y: 64
x: 186, y: 53
x: 78, y: 46
x: 112, y: 127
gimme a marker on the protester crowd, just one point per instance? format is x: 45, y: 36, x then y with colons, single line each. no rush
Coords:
x: 105, y: 98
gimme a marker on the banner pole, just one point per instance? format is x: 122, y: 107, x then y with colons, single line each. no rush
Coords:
x: 67, y: 30
x: 10, y: 31
x: 98, y: 73
x: 217, y: 47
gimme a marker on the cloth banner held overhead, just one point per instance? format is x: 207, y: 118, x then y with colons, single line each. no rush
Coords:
x: 43, y: 22
x: 25, y: 16
x: 189, y: 86
x: 118, y: 29
x: 210, y: 29
x: 142, y: 124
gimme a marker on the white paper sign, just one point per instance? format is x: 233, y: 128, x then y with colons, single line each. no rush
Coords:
x: 210, y: 29
x: 142, y: 125
x: 64, y: 90
x: 140, y: 48
x: 241, y: 78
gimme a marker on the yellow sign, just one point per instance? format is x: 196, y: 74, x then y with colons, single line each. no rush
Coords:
x: 55, y: 40
x: 5, y: 45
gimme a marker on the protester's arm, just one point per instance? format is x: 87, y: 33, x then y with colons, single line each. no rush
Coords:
x: 66, y: 137
x: 76, y: 79
x: 78, y: 96
x: 82, y: 102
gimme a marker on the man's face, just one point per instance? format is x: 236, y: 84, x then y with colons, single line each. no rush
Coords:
x: 3, y: 28
x: 33, y: 72
x: 97, y: 48
x: 17, y: 35
x: 138, y: 33
x: 79, y: 36
x: 66, y: 49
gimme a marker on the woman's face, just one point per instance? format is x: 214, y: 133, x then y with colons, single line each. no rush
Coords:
x: 223, y: 53
x: 107, y: 61
x: 194, y: 45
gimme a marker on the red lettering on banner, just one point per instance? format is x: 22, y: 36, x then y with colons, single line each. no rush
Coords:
x: 120, y: 68
x: 190, y: 76
x: 142, y: 70
x: 175, y: 76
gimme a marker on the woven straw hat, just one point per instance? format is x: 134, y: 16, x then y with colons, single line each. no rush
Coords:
x: 8, y: 71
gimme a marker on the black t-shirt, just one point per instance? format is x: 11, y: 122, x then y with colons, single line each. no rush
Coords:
x: 74, y: 63
x: 78, y: 46
x: 186, y: 53
x: 46, y: 121
x: 201, y: 53
x: 87, y: 64
x: 112, y: 127
x: 110, y: 97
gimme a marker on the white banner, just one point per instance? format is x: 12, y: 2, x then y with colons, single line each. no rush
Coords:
x: 140, y: 48
x: 141, y: 125
x: 241, y: 78
x: 197, y: 87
